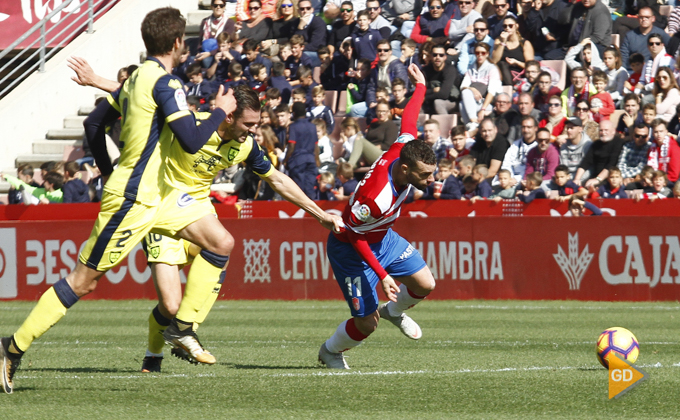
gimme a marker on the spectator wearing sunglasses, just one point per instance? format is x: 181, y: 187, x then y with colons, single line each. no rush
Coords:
x: 658, y: 58
x: 343, y: 27
x: 635, y: 41
x: 442, y: 92
x: 634, y: 153
x: 282, y: 28
x: 258, y: 27
x: 511, y: 51
x: 378, y: 22
x: 212, y: 26
x: 388, y: 68
x: 502, y: 9
x: 313, y: 29
x: 466, y: 47
x: 480, y: 85
x: 433, y: 25
x: 462, y: 21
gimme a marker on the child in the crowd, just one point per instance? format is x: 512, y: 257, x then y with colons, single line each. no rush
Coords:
x: 272, y: 98
x: 616, y: 73
x: 408, y: 52
x: 464, y: 166
x: 235, y: 76
x: 613, y: 188
x: 481, y: 172
x: 400, y: 101
x: 325, y: 146
x: 307, y: 83
x: 676, y: 190
x: 224, y: 57
x: 358, y: 87
x: 504, y: 189
x: 577, y: 207
x: 637, y: 63
x: 446, y: 187
x: 278, y: 80
x: 601, y: 104
x: 470, y: 190
x: 382, y: 95
x: 324, y: 185
x: 461, y: 143
x: 185, y: 60
x: 25, y: 174
x: 565, y: 187
x: 259, y: 82
x: 198, y: 86
x: 50, y: 192
x: 299, y: 95
x: 345, y: 183
x: 297, y: 58
x: 532, y: 188
x: 643, y: 181
x: 194, y: 103
x: 212, y: 102
x: 284, y: 52
x: 660, y: 188
x: 649, y: 115
x: 74, y: 190
x: 348, y: 134
x: 320, y: 110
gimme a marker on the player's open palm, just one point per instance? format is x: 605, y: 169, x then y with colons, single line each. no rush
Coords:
x: 390, y: 288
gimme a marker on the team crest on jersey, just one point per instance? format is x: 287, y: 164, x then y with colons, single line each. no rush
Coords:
x: 181, y: 99
x: 211, y: 162
x: 114, y: 256
x: 155, y: 251
x: 231, y: 155
x: 356, y: 304
x: 185, y: 200
x: 363, y: 212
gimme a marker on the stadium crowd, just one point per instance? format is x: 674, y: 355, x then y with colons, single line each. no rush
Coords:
x: 504, y: 115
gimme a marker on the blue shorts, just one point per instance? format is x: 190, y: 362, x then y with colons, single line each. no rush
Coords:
x: 358, y: 281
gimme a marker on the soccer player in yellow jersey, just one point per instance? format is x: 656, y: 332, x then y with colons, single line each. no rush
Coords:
x: 153, y: 109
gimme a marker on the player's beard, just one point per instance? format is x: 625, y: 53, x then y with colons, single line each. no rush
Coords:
x: 412, y: 179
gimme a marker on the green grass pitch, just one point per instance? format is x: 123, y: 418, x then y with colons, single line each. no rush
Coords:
x: 477, y: 359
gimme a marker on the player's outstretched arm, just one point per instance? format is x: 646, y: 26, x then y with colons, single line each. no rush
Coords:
x: 289, y: 190
x: 409, y: 122
x: 85, y: 76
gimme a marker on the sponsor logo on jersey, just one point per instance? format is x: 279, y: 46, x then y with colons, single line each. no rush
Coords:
x: 407, y: 253
x: 363, y: 212
x: 181, y: 100
x: 185, y: 200
x: 210, y: 162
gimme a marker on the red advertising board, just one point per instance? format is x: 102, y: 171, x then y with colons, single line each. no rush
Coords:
x: 635, y: 258
x: 18, y: 16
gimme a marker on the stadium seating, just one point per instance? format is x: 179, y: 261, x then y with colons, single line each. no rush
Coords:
x: 616, y: 40
x: 332, y: 100
x: 446, y: 122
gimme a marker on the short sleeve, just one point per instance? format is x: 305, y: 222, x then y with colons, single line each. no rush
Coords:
x: 112, y: 98
x: 171, y: 98
x: 259, y: 162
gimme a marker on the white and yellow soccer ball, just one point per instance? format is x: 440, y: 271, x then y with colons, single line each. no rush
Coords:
x: 619, y: 341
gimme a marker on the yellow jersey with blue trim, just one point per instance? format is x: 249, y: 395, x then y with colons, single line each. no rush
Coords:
x: 194, y: 173
x: 148, y: 100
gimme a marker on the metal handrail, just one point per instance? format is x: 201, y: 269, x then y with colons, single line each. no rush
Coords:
x: 90, y: 17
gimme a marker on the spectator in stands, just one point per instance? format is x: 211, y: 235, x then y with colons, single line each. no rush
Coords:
x: 383, y: 131
x: 74, y: 189
x: 490, y: 147
x: 399, y: 101
x: 342, y: 28
x: 613, y: 188
x: 637, y: 64
x: 307, y: 83
x: 325, y: 146
x: 496, y: 22
x: 198, y: 86
x: 313, y: 30
x: 602, y: 155
x: 660, y: 187
x: 480, y: 86
x: 278, y: 80
x: 408, y: 53
x: 584, y: 54
x: 446, y: 186
x: 302, y: 150
x: 634, y: 153
x: 647, y: 8
x: 544, y: 91
x: 511, y: 51
x: 24, y: 174
x: 580, y: 90
x: 50, y: 192
x: 462, y: 21
x: 345, y: 184
x: 589, y: 19
x: 212, y: 26
x: 674, y: 124
x: 225, y: 55
x: 251, y: 55
x: 283, y: 28
x: 432, y: 136
x: 666, y: 94
x: 515, y: 160
x: 358, y: 87
x: 506, y: 118
x: 283, y: 123
x: 432, y: 25
x: 576, y: 146
x: 506, y: 187
x: 635, y: 41
x: 601, y: 104
x: 364, y: 38
x: 386, y: 70
x: 526, y: 106
x: 443, y: 80
x: 555, y: 121
x: 543, y: 158
x: 460, y: 142
x: 185, y: 59
x: 528, y: 83
x: 616, y: 73
x: 235, y: 76
x: 424, y: 53
x: 564, y: 186
x: 532, y: 188
x: 297, y: 58
x: 658, y: 58
x: 631, y: 116
x: 341, y: 65
x: 466, y: 47
x: 398, y: 12
x: 320, y: 110
x: 673, y: 22
x: 258, y: 27
x: 354, y: 144
x: 664, y: 152
x: 545, y: 29
x: 260, y: 76
x: 590, y: 127
x: 378, y: 22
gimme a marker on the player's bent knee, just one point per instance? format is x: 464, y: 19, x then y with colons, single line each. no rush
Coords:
x: 366, y: 325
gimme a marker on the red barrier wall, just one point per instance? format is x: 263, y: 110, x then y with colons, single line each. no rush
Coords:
x: 281, y: 255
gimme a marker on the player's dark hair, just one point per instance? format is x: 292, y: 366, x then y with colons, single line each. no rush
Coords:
x: 246, y: 98
x: 160, y: 29
x: 55, y: 178
x: 417, y: 151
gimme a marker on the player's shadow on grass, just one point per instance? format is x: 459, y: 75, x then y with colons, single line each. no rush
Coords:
x: 84, y: 370
x: 237, y: 366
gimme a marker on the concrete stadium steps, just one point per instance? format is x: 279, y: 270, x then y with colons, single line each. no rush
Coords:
x: 54, y: 147
x: 85, y: 110
x: 66, y: 134
x: 37, y: 160
x: 74, y: 121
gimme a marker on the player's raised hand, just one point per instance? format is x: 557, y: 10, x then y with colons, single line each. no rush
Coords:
x: 416, y: 75
x: 84, y: 73
x: 390, y: 288
x: 226, y: 102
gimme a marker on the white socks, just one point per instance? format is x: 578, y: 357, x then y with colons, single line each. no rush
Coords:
x: 405, y: 300
x: 341, y: 340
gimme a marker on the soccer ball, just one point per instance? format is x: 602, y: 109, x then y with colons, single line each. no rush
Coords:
x: 619, y: 341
